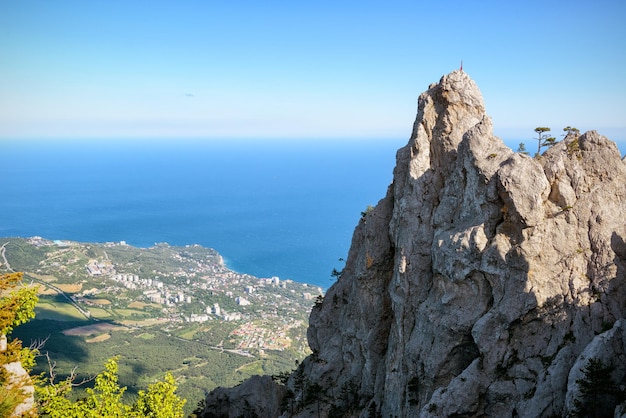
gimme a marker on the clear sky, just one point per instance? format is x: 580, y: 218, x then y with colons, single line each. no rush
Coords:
x: 303, y: 69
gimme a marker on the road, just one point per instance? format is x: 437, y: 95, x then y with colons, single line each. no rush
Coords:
x: 2, y: 253
x: 85, y: 313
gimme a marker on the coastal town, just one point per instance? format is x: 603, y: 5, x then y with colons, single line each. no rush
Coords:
x: 174, y: 286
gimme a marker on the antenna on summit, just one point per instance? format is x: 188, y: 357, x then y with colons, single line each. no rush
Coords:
x: 461, y: 69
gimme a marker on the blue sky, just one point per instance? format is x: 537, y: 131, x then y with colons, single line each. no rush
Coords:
x: 209, y: 69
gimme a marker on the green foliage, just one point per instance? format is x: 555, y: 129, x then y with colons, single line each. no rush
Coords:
x: 346, y: 403
x: 145, y: 360
x: 522, y: 148
x: 105, y: 399
x: 599, y: 393
x: 282, y: 377
x: 573, y: 147
x: 413, y: 387
x: 160, y: 401
x: 367, y: 210
x: 314, y: 392
x: 19, y: 306
x: 287, y: 403
x: 9, y: 400
x: 571, y: 130
x: 543, y: 139
x: 337, y: 273
x: 372, y: 411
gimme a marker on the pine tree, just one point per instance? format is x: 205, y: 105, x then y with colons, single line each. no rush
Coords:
x: 571, y: 130
x: 599, y: 393
x: 522, y: 148
x: 543, y: 139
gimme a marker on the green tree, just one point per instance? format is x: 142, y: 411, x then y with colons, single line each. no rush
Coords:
x: 160, y: 401
x: 522, y: 148
x: 17, y: 306
x: 105, y: 399
x: 598, y: 392
x: 314, y: 393
x: 543, y: 139
x: 571, y: 130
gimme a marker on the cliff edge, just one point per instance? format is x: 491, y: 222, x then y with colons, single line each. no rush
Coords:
x: 480, y: 285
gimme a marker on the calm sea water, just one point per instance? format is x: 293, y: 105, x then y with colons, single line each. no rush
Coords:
x: 271, y: 208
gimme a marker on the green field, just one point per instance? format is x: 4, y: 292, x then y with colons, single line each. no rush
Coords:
x: 58, y: 311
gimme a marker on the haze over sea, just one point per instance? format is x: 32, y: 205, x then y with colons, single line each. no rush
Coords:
x: 270, y: 208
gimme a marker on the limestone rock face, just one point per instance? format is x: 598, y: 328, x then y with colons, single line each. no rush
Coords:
x: 480, y: 283
x: 258, y: 396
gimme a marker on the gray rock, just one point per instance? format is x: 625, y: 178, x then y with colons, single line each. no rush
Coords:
x: 477, y: 282
x: 258, y: 396
x: 18, y: 377
x: 608, y: 347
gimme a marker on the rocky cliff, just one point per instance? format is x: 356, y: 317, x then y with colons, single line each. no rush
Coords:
x: 479, y: 286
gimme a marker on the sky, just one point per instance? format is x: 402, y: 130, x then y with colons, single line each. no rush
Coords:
x: 324, y: 69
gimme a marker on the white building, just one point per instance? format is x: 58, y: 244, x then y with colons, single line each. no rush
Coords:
x: 242, y: 301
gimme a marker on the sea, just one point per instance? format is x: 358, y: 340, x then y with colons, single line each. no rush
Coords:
x: 284, y: 208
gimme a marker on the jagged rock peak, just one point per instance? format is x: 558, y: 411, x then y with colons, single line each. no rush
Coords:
x: 480, y: 285
x: 446, y: 111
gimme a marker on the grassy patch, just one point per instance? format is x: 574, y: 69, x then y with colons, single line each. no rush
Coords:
x: 100, y: 313
x: 44, y: 277
x: 99, y: 338
x: 189, y: 334
x: 129, y: 313
x: 256, y: 367
x: 70, y: 288
x: 100, y: 301
x: 101, y: 327
x: 58, y: 312
x: 45, y: 290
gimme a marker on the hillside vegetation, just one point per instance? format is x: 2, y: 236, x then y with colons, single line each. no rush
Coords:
x: 162, y: 309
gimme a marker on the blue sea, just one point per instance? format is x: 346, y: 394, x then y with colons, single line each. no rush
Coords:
x: 269, y: 207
